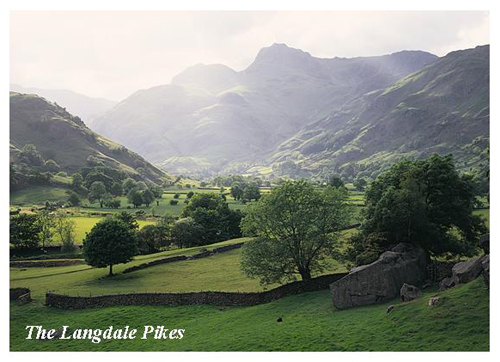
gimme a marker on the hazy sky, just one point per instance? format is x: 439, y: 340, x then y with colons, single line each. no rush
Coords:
x: 113, y: 54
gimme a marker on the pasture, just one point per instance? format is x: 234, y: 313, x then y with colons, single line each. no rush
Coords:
x: 83, y: 225
x: 220, y: 272
x: 310, y: 323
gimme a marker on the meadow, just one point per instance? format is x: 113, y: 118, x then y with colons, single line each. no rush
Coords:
x: 310, y: 322
x: 460, y: 322
x: 83, y: 224
x: 220, y: 272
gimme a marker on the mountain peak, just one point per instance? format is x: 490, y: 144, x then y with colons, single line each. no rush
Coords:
x: 277, y: 50
x: 211, y: 77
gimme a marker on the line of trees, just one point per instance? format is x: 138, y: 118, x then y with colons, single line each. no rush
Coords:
x: 205, y: 220
x: 424, y: 202
x: 40, y: 230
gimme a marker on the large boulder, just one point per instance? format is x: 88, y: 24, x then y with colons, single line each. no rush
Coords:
x: 467, y: 271
x: 409, y: 292
x: 448, y: 282
x: 381, y: 280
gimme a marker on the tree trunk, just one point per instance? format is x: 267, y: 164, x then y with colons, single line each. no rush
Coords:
x: 305, y: 274
x: 110, y: 270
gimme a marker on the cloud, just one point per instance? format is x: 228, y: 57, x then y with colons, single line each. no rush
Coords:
x: 113, y: 54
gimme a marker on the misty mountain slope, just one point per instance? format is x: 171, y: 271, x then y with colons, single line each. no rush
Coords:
x: 442, y: 108
x: 87, y: 108
x: 64, y: 138
x: 212, y: 116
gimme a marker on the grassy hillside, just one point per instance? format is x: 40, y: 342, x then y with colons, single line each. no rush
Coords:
x: 310, y: 323
x: 202, y: 274
x: 220, y: 272
x: 442, y: 108
x: 64, y: 138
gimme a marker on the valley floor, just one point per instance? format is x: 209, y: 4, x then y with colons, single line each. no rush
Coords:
x: 310, y: 323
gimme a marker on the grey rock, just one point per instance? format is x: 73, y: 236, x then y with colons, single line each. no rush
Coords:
x: 433, y: 301
x: 484, y: 241
x: 448, y: 282
x: 381, y: 280
x: 409, y: 292
x: 467, y: 271
x: 486, y: 270
x: 24, y: 299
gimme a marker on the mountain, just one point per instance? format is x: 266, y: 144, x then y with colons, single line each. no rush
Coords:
x: 443, y: 108
x: 65, y: 139
x: 212, y: 118
x: 85, y: 107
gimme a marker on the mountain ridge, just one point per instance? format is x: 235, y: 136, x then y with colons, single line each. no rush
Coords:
x: 210, y: 116
x: 65, y: 139
x: 78, y: 104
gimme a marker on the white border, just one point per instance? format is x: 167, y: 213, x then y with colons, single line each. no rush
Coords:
x: 7, y: 6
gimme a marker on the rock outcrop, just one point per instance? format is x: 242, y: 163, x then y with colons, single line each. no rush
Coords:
x: 409, y: 292
x: 381, y: 280
x: 466, y: 271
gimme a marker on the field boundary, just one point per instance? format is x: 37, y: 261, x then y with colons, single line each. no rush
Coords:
x: 171, y: 259
x: 233, y: 299
x: 45, y: 263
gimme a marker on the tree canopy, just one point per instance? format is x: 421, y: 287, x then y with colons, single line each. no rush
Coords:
x: 424, y: 202
x: 111, y: 241
x: 212, y: 213
x: 296, y: 228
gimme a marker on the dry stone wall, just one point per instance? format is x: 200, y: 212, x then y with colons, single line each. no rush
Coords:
x: 195, y: 298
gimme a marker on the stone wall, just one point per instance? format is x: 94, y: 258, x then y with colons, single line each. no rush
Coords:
x: 195, y: 298
x: 16, y: 293
x: 171, y: 259
x: 44, y: 263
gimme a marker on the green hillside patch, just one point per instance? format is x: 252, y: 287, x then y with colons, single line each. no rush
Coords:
x: 219, y: 272
x: 84, y: 224
x: 310, y: 323
x: 38, y: 195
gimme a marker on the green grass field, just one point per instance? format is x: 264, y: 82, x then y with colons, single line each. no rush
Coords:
x: 83, y: 225
x: 38, y: 195
x: 220, y: 272
x: 310, y: 323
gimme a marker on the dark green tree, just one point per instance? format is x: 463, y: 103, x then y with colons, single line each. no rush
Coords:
x: 77, y: 181
x: 134, y: 197
x: 29, y: 154
x: 336, y: 182
x: 251, y: 192
x: 296, y: 229
x: 423, y: 202
x: 128, y: 184
x: 147, y: 197
x: 213, y: 214
x: 25, y: 231
x: 110, y: 242
x: 186, y: 233
x: 116, y: 189
x: 74, y: 199
x: 129, y: 219
x: 97, y: 192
